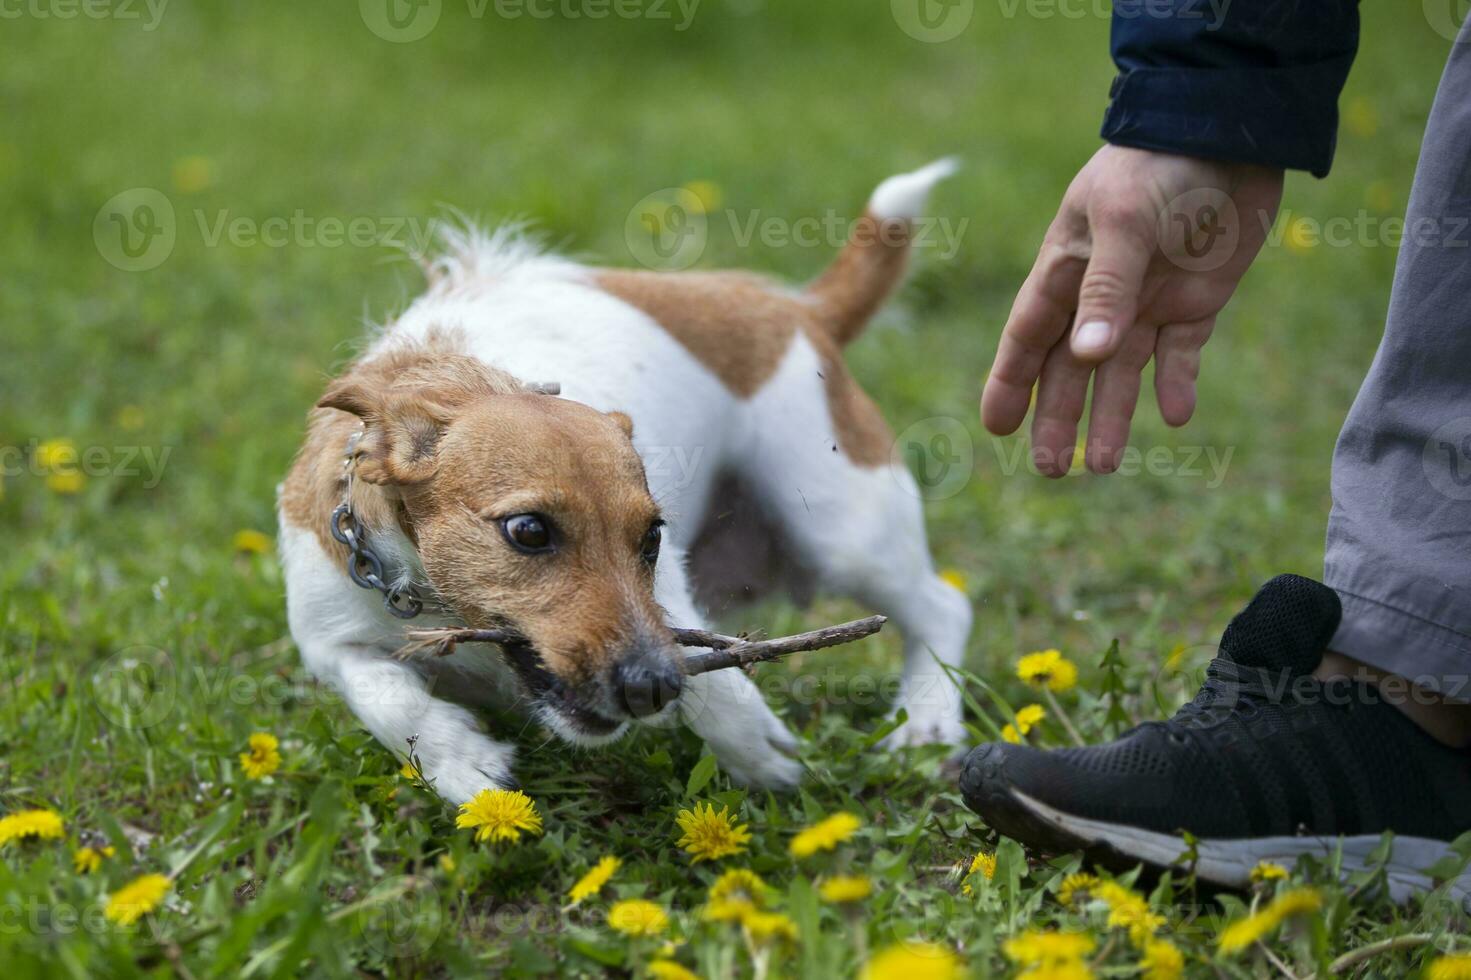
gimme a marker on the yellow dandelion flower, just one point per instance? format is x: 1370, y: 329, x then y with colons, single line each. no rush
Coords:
x: 1360, y: 117
x: 670, y: 970
x: 1245, y: 932
x: 710, y: 836
x: 130, y: 418
x: 1036, y: 948
x: 1048, y: 668
x: 592, y: 882
x: 86, y: 860
x: 136, y: 899
x: 67, y: 484
x: 1380, y: 195
x: 57, y: 455
x: 1026, y: 719
x: 1299, y: 901
x: 842, y: 889
x: 1301, y: 236
x: 1162, y: 961
x: 706, y: 194
x: 1129, y: 910
x: 40, y: 824
x: 193, y: 174
x: 955, y: 578
x: 825, y: 835
x: 1074, y: 885
x: 983, y: 863
x: 249, y: 542
x: 499, y: 815
x: 913, y: 961
x: 1454, y: 967
x: 1267, y: 871
x: 262, y: 757
x: 735, y: 894
x: 769, y: 927
x: 636, y: 917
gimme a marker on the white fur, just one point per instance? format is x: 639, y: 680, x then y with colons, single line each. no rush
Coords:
x: 543, y: 319
x: 904, y: 195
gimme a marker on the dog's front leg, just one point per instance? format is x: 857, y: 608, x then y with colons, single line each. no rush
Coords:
x: 393, y: 701
x: 752, y: 745
x: 724, y: 707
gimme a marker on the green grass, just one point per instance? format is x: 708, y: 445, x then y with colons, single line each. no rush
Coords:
x: 337, y: 866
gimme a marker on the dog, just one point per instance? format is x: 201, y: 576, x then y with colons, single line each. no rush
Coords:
x: 443, y: 481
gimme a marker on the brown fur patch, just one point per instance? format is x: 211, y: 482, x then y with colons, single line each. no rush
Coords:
x: 863, y: 435
x: 850, y: 291
x: 740, y: 326
x: 732, y: 322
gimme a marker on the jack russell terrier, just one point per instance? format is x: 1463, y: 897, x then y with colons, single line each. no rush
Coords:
x: 440, y: 485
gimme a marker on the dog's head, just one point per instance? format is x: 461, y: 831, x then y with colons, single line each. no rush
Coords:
x: 529, y: 512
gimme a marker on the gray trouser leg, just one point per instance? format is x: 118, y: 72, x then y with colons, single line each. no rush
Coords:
x: 1399, y: 536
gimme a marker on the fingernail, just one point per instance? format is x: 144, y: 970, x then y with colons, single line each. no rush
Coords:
x: 1091, y: 336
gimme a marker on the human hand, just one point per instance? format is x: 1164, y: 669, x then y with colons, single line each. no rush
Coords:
x: 1144, y: 252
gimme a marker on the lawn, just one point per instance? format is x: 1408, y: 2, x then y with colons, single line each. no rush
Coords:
x: 142, y: 626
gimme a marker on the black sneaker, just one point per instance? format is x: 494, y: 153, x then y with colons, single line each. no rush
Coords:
x: 1265, y: 764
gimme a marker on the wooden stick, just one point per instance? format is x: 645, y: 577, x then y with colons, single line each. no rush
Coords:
x: 725, y: 652
x: 740, y: 653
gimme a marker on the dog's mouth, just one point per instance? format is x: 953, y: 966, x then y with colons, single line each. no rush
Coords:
x: 567, y: 713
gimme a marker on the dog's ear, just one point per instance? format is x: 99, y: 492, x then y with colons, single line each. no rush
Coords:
x: 401, y: 430
x: 623, y: 422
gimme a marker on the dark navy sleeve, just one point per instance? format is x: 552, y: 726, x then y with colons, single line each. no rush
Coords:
x: 1250, y: 81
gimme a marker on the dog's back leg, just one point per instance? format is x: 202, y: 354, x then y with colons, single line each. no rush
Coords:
x: 855, y: 518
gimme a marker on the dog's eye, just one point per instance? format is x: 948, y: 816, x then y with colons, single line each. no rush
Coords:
x: 653, y: 537
x: 528, y: 532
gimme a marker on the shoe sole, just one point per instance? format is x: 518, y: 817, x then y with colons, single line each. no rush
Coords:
x: 1226, y: 863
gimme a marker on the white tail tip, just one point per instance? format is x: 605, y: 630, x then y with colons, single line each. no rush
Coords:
x: 904, y: 195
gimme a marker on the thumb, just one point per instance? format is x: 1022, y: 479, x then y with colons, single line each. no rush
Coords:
x: 1108, y: 300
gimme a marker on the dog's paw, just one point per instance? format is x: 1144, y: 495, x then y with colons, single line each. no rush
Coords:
x: 764, y: 764
x: 458, y: 777
x: 753, y: 746
x: 927, y: 729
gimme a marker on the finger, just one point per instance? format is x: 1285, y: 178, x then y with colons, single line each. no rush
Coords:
x: 1108, y: 299
x: 1061, y: 395
x: 1177, y: 365
x: 1039, y: 319
x: 1115, y: 394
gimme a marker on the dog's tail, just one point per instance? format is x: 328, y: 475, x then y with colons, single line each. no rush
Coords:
x: 872, y: 264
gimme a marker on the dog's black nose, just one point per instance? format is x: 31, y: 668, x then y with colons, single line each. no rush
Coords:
x: 645, y: 682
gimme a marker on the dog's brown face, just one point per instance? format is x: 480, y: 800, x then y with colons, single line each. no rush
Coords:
x: 532, y: 512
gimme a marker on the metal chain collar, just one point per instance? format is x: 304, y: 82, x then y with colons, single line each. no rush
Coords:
x: 364, y: 566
